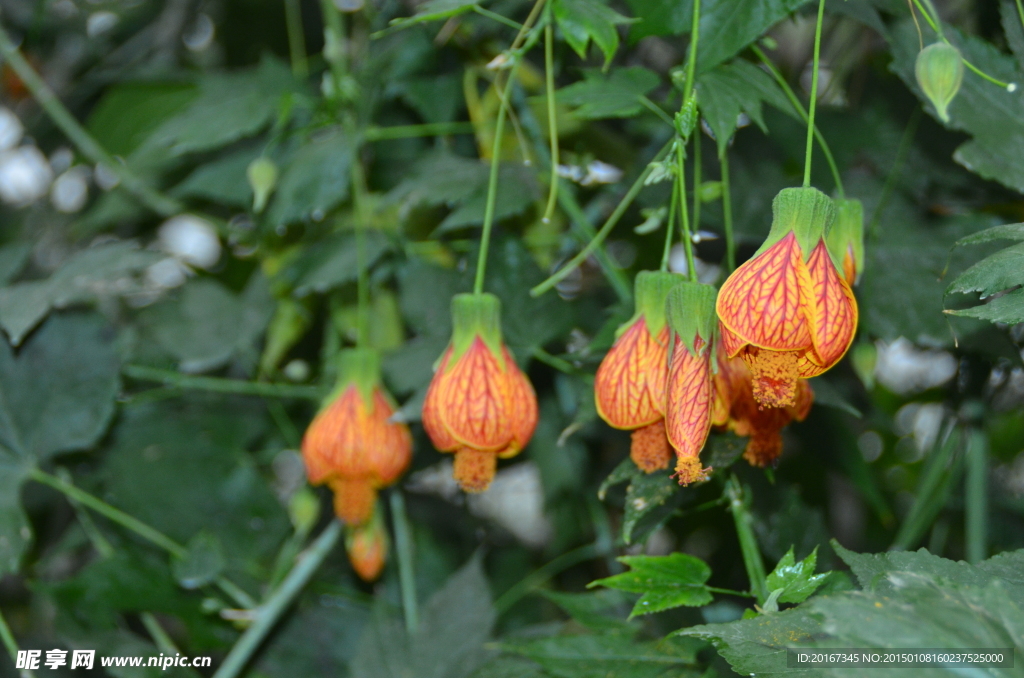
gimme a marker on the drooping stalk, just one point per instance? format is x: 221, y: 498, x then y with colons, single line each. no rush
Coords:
x: 684, y: 216
x: 748, y: 542
x: 363, y: 274
x: 814, y: 93
x: 549, y: 85
x: 403, y: 550
x: 670, y: 227
x: 730, y: 238
x: 802, y: 112
x: 222, y: 385
x: 296, y: 38
x: 976, y: 497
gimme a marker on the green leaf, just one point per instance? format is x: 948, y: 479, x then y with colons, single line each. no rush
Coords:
x: 727, y: 26
x: 1012, y: 29
x: 319, y: 639
x: 517, y: 190
x: 584, y: 20
x: 1004, y: 232
x: 129, y: 112
x: 660, y: 17
x: 333, y: 262
x: 1002, y: 270
x: 616, y: 95
x: 608, y: 656
x: 1008, y: 308
x: 828, y: 395
x: 202, y: 563
x: 664, y: 581
x: 796, y: 580
x: 440, y: 179
x: 89, y: 274
x: 727, y: 90
x: 435, y: 10
x: 15, y: 530
x: 315, y: 182
x: 222, y: 180
x: 57, y: 393
x: 13, y: 258
x: 596, y: 610
x: 644, y: 494
x: 228, y: 107
x: 204, y: 324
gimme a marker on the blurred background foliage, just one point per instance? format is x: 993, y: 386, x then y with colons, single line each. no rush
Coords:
x: 168, y: 334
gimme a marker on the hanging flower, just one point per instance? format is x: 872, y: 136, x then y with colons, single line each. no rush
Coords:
x: 691, y: 315
x: 735, y: 409
x: 479, y: 405
x: 629, y: 388
x: 367, y: 547
x: 352, y: 445
x: 787, y: 312
x: 939, y: 69
x: 846, y: 239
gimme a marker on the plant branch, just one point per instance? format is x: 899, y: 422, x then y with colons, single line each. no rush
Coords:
x: 219, y: 385
x: 269, y: 612
x: 814, y: 94
x: 684, y: 215
x: 542, y: 574
x: 403, y: 548
x: 748, y: 543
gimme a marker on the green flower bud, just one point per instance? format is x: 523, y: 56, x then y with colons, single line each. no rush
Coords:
x: 940, y: 70
x: 262, y: 175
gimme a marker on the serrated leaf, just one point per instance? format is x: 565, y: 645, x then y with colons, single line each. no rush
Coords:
x: 584, y: 20
x: 333, y: 262
x: 94, y: 272
x: 517, y: 190
x: 659, y: 17
x: 728, y: 90
x: 995, y: 273
x: 616, y: 95
x: 665, y: 582
x: 796, y: 580
x: 727, y: 26
x: 606, y: 655
x: 1008, y: 308
x: 202, y: 563
x: 314, y: 182
x: 1003, y: 232
x: 595, y: 610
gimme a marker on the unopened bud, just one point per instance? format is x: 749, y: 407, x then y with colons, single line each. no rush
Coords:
x: 262, y: 175
x: 686, y: 118
x: 940, y: 70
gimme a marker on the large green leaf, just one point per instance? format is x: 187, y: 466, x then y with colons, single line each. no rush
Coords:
x: 1008, y: 308
x: 92, y: 273
x: 646, y: 494
x: 1002, y: 270
x: 727, y: 90
x: 660, y: 17
x: 333, y: 262
x: 616, y: 95
x: 584, y: 20
x: 794, y: 581
x: 314, y: 182
x: 664, y: 582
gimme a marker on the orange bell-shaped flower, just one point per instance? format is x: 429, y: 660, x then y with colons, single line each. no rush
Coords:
x: 787, y: 312
x: 351, y: 444
x: 691, y: 315
x: 479, y: 405
x: 735, y: 409
x: 629, y: 387
x: 846, y: 239
x: 367, y: 547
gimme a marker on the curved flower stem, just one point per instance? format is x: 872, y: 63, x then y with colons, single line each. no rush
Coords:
x: 89, y: 147
x: 802, y: 112
x: 411, y: 131
x: 932, y: 17
x: 748, y: 543
x: 730, y: 239
x: 132, y: 523
x: 684, y: 216
x: 691, y: 60
x: 814, y: 94
x: 296, y: 38
x: 542, y: 574
x: 549, y: 85
x: 363, y: 274
x: 12, y: 646
x: 269, y: 612
x: 406, y: 573
x: 599, y: 237
x: 220, y: 385
x: 497, y: 17
x: 670, y: 227
x: 499, y: 131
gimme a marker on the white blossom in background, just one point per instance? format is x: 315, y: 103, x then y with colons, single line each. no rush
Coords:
x: 601, y: 173
x: 105, y: 177
x: 167, y: 273
x: 61, y: 159
x: 200, y: 34
x: 905, y: 369
x: 515, y: 501
x: 11, y: 129
x: 99, y: 23
x: 25, y: 175
x: 70, y: 191
x: 190, y: 239
x: 923, y: 421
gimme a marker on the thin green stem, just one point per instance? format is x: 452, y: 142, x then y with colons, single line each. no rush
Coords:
x: 684, y: 215
x: 554, y: 361
x: 657, y: 110
x: 157, y: 633
x: 544, y: 573
x: 334, y: 47
x: 802, y: 112
x: 730, y: 238
x: 549, y: 87
x: 730, y: 592
x: 670, y: 227
x: 154, y: 200
x: 492, y: 186
x: 691, y: 60
x: 363, y: 274
x: 897, y: 165
x: 1020, y: 12
x: 296, y: 38
x: 599, y: 237
x: 133, y: 524
x: 497, y: 17
x: 748, y: 543
x: 406, y: 571
x: 12, y: 646
x: 270, y: 612
x: 412, y: 131
x: 942, y: 469
x: 218, y: 385
x: 698, y: 171
x: 814, y: 93
x: 976, y: 497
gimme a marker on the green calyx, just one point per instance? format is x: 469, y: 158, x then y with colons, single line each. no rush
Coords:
x: 358, y: 366
x: 806, y: 212
x: 847, y: 231
x: 690, y: 310
x: 475, y: 315
x: 940, y: 71
x: 651, y: 290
